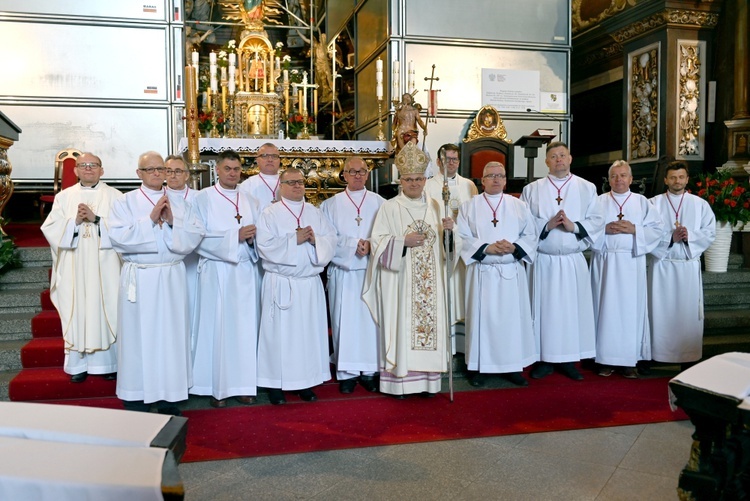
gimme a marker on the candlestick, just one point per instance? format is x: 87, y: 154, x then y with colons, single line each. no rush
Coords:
x: 304, y: 90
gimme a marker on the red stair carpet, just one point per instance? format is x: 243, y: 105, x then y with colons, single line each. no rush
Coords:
x: 343, y: 423
x: 42, y: 377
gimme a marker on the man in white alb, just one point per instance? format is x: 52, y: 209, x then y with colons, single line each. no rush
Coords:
x: 153, y: 323
x: 498, y: 235
x: 355, y: 335
x: 180, y: 195
x: 461, y: 190
x: 225, y: 323
x: 675, y: 284
x: 569, y: 220
x: 264, y: 186
x: 405, y: 283
x: 618, y: 275
x: 296, y: 242
x: 85, y: 271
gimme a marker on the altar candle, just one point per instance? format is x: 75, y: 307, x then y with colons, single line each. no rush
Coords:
x: 212, y: 58
x: 286, y: 77
x: 232, y: 59
x: 379, y: 79
x: 265, y: 76
x: 315, y: 102
x: 411, y: 85
x: 396, y: 81
x: 223, y: 74
x: 214, y: 82
x: 300, y: 102
x: 231, y: 79
x: 196, y: 64
x: 304, y: 90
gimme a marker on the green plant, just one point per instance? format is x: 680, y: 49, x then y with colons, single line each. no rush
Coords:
x: 8, y: 255
x: 728, y: 197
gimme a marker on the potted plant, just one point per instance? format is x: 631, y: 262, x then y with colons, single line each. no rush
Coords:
x: 729, y: 199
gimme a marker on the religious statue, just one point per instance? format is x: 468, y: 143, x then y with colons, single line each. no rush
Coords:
x: 323, y: 75
x: 405, y: 122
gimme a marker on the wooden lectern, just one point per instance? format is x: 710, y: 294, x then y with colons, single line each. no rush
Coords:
x: 531, y: 145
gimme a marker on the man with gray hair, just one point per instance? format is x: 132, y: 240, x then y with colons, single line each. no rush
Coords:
x: 498, y: 235
x: 85, y: 270
x: 264, y: 186
x: 618, y: 275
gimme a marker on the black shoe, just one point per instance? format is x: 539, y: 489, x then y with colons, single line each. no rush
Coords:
x: 516, y: 378
x: 276, y: 396
x: 347, y: 385
x: 644, y: 367
x: 169, y: 410
x: 308, y: 395
x: 568, y: 369
x: 112, y: 376
x: 79, y: 378
x: 477, y: 379
x: 427, y: 394
x: 398, y: 397
x: 136, y: 405
x: 541, y: 370
x: 369, y: 383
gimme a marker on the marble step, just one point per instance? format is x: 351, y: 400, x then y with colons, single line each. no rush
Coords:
x: 35, y: 256
x: 35, y: 277
x: 20, y: 301
x: 10, y: 355
x: 15, y: 326
x: 728, y: 298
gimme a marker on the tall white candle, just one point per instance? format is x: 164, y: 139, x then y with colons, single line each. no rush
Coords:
x: 212, y: 58
x: 214, y: 80
x: 396, y: 81
x: 411, y: 85
x: 286, y: 76
x: 232, y: 59
x: 304, y: 92
x: 379, y: 79
x: 231, y: 79
x: 196, y: 58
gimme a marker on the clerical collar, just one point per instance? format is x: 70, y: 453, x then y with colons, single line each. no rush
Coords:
x: 225, y: 190
x: 292, y: 202
x: 92, y: 187
x: 621, y: 195
x: 561, y: 178
x: 674, y: 195
x: 362, y: 192
x: 495, y: 196
x: 150, y: 191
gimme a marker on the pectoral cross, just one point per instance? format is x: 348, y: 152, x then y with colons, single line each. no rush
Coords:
x: 620, y: 216
x: 238, y: 218
x: 677, y: 224
x: 358, y: 219
x: 494, y: 222
x: 559, y: 199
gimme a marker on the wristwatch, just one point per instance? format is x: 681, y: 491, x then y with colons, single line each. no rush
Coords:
x: 97, y: 219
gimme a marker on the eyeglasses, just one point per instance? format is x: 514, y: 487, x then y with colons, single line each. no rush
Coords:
x: 356, y: 173
x: 177, y: 172
x: 150, y: 170
x: 272, y: 156
x: 412, y: 179
x: 294, y: 182
x: 494, y: 176
x: 451, y: 160
x: 89, y: 166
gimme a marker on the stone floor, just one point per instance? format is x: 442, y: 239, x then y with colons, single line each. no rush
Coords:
x: 620, y: 463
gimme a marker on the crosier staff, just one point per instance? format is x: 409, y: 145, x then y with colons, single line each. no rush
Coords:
x: 447, y: 234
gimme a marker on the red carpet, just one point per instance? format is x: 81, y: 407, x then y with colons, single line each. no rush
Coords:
x: 380, y: 420
x: 26, y: 234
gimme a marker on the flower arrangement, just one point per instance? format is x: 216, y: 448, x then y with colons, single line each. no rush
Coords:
x: 205, y: 125
x: 222, y: 58
x: 728, y: 197
x: 8, y: 255
x: 297, y: 123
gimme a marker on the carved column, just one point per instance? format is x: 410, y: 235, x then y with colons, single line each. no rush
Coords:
x: 738, y: 133
x: 8, y: 135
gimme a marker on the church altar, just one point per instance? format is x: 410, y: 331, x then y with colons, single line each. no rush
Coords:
x: 321, y: 161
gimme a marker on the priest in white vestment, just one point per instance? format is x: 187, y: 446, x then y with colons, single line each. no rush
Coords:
x: 295, y: 242
x: 264, y: 186
x: 498, y: 235
x: 405, y: 284
x: 569, y: 220
x: 153, y: 323
x: 225, y: 323
x: 460, y: 190
x: 355, y: 335
x: 85, y: 271
x: 180, y: 194
x: 675, y: 283
x: 618, y: 275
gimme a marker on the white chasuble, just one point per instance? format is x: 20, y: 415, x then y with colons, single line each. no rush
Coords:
x: 225, y: 323
x: 355, y: 335
x: 85, y: 272
x: 618, y: 280
x: 675, y: 281
x: 261, y: 187
x: 293, y: 343
x: 499, y: 332
x: 153, y: 325
x: 562, y: 307
x: 405, y: 292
